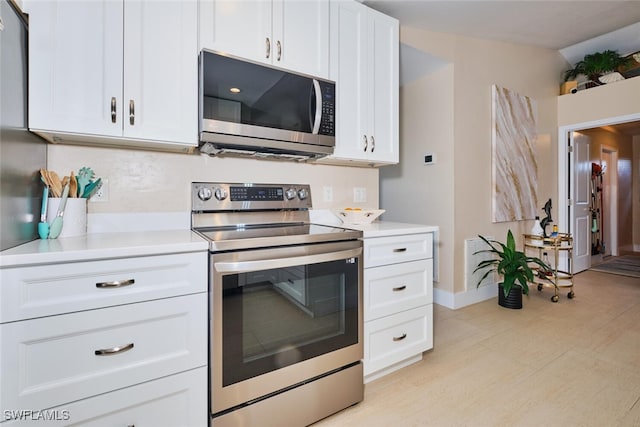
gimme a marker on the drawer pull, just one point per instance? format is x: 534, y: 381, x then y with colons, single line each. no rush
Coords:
x: 113, y: 109
x: 115, y: 350
x: 400, y: 288
x: 400, y: 338
x: 400, y: 250
x: 115, y: 283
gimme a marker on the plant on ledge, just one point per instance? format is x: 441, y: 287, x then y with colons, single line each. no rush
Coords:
x: 513, y: 266
x: 596, y: 65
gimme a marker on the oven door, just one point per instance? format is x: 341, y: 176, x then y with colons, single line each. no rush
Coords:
x: 282, y: 316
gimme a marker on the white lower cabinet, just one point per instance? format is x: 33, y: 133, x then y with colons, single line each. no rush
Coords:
x: 174, y: 401
x: 133, y: 353
x: 398, y: 302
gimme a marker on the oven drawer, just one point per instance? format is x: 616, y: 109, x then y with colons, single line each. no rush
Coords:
x: 395, y: 288
x: 395, y: 249
x: 30, y: 292
x: 393, y: 339
x: 52, y: 361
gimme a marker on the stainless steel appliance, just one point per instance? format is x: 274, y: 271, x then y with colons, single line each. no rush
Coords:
x: 22, y: 153
x: 253, y: 109
x: 285, y: 306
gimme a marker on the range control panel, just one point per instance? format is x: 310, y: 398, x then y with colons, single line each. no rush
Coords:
x: 218, y: 196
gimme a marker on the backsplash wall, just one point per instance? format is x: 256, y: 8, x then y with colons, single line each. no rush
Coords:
x: 149, y: 181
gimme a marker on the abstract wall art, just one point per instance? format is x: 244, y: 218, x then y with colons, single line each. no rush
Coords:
x: 514, y: 165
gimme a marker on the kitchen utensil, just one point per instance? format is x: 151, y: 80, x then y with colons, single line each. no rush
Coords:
x: 56, y: 225
x: 43, y: 225
x: 56, y: 183
x: 85, y: 175
x: 73, y: 186
x: 92, y: 188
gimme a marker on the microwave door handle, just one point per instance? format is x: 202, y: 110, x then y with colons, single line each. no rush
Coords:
x: 268, y: 264
x: 318, y: 116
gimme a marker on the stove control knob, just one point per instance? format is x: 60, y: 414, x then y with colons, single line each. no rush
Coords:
x: 303, y: 193
x: 204, y: 194
x: 290, y: 193
x: 220, y: 193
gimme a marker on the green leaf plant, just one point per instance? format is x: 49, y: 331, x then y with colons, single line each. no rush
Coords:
x: 513, y: 265
x: 596, y: 64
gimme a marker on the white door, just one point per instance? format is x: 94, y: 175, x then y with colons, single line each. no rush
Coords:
x: 239, y: 28
x: 301, y: 36
x: 75, y: 69
x: 384, y: 89
x: 580, y: 193
x: 348, y: 68
x: 161, y: 71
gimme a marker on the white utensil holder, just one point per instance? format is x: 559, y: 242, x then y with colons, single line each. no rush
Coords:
x: 74, y: 218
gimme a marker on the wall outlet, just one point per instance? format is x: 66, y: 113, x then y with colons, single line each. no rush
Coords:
x: 359, y: 195
x: 327, y: 193
x: 102, y: 193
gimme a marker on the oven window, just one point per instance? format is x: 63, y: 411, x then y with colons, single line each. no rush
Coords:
x: 279, y: 317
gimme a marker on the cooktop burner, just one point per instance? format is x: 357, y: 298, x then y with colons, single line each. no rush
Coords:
x: 243, y: 216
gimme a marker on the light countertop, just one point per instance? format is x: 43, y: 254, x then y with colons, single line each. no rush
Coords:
x: 132, y: 241
x: 102, y: 246
x: 388, y: 228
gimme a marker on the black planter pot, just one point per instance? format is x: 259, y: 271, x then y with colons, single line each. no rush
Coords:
x: 512, y: 300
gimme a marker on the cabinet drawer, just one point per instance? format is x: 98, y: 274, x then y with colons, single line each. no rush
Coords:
x: 30, y: 292
x: 173, y: 401
x: 394, y: 249
x: 51, y: 361
x: 395, y: 288
x: 393, y: 339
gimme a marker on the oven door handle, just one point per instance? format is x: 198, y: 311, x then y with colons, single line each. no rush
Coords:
x: 268, y: 264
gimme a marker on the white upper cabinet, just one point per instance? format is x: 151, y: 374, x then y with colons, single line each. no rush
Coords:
x: 291, y: 34
x: 365, y: 66
x: 117, y: 72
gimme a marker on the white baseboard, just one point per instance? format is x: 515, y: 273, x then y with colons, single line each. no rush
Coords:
x: 463, y: 299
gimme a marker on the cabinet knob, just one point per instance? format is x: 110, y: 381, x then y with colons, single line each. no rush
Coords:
x: 132, y: 112
x: 113, y: 109
x: 373, y: 144
x: 279, y: 46
x: 397, y: 250
x: 400, y: 288
x: 268, y: 47
x: 366, y: 143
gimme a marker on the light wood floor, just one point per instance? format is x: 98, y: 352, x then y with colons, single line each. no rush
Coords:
x: 573, y: 363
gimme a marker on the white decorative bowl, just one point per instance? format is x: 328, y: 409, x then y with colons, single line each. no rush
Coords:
x: 357, y: 216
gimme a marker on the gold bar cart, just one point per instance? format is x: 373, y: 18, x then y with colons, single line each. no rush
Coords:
x: 553, y: 245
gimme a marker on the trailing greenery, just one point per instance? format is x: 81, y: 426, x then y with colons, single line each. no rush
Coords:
x: 511, y: 264
x: 596, y: 64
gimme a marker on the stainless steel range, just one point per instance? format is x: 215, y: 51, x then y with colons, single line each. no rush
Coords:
x: 285, y: 306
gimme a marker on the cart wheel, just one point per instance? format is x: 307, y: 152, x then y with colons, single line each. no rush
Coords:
x: 539, y: 287
x: 554, y: 298
x: 571, y: 295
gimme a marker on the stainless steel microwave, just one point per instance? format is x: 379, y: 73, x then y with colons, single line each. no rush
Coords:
x: 254, y: 109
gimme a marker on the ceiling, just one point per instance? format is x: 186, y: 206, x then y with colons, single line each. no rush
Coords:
x: 542, y: 23
x: 575, y: 28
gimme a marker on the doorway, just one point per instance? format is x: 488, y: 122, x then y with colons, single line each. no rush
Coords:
x: 609, y: 163
x: 566, y: 211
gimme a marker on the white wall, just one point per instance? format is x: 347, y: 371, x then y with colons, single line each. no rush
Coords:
x: 418, y: 193
x: 148, y: 181
x: 455, y: 194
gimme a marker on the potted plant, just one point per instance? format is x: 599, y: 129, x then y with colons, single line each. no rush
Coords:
x: 514, y: 267
x: 595, y: 65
